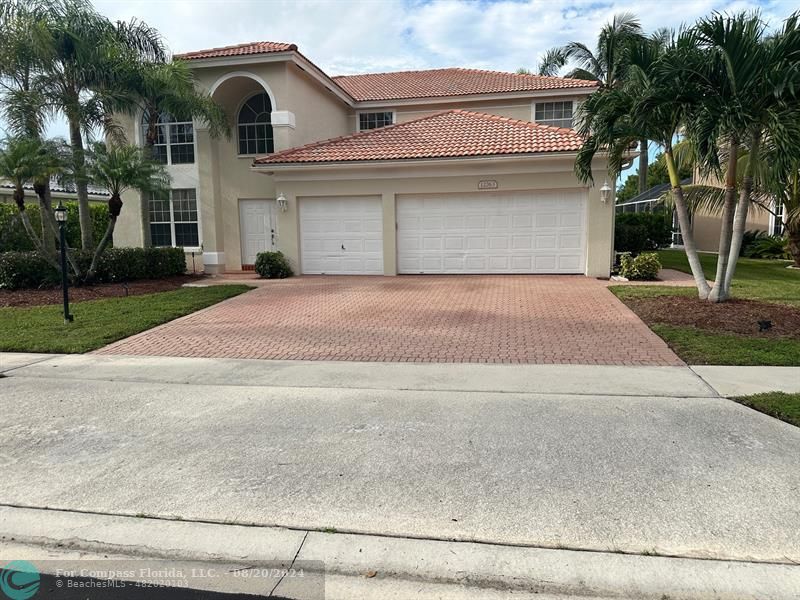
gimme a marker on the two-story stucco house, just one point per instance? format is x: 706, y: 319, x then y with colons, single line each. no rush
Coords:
x: 438, y: 171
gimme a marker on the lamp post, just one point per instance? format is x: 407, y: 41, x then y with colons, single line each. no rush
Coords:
x: 61, y: 218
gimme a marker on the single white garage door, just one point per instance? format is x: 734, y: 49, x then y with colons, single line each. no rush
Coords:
x: 519, y: 232
x: 341, y: 235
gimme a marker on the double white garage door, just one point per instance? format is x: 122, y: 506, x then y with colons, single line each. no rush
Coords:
x: 520, y: 232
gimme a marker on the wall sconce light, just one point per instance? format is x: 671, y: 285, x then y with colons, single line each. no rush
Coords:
x: 282, y: 202
x: 605, y: 192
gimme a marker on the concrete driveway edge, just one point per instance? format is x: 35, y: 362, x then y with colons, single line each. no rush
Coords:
x: 378, y: 565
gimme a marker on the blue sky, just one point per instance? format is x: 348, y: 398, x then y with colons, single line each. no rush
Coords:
x: 347, y: 36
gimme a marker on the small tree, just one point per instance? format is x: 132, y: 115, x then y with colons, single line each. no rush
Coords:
x: 118, y: 168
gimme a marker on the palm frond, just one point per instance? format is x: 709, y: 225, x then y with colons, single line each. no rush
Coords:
x: 552, y: 62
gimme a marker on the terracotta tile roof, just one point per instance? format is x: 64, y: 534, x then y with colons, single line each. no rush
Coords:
x: 453, y: 133
x: 238, y: 50
x: 448, y: 82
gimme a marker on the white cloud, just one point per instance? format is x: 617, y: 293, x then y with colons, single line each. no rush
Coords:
x: 351, y: 36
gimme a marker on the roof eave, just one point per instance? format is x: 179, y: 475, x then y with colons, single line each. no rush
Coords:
x: 268, y: 168
x: 294, y: 56
x: 551, y: 93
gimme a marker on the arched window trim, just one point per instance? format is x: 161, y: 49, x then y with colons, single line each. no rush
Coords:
x: 174, y: 140
x: 269, y: 141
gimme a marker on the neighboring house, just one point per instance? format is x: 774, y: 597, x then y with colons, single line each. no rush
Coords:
x: 57, y: 192
x: 438, y: 171
x: 705, y: 225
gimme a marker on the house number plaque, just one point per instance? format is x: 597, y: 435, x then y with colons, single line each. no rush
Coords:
x: 487, y: 184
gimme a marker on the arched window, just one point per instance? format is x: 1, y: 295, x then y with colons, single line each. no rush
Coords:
x: 255, y: 128
x: 174, y: 139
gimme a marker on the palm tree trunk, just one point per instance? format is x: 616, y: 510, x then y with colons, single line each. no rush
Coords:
x: 149, y: 143
x: 114, y: 209
x: 685, y: 223
x: 718, y: 292
x: 26, y: 223
x: 643, y: 165
x: 793, y: 235
x: 740, y: 220
x: 45, y: 209
x: 82, y: 189
x: 49, y: 224
x: 112, y: 223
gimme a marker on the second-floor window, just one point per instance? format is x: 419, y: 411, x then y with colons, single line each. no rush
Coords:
x: 374, y: 120
x: 558, y: 114
x: 255, y: 126
x: 174, y: 139
x: 173, y: 218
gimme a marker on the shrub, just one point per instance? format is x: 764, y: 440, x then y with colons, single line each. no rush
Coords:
x: 644, y: 267
x: 273, y: 265
x: 29, y: 270
x: 767, y: 246
x: 637, y: 232
x: 14, y: 237
x: 164, y: 262
x: 26, y: 270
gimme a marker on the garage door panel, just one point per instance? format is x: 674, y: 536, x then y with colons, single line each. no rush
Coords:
x: 520, y: 232
x: 569, y: 242
x: 545, y: 242
x: 341, y: 235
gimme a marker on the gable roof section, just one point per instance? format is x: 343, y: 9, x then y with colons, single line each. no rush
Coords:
x: 450, y: 134
x: 238, y: 50
x: 448, y: 82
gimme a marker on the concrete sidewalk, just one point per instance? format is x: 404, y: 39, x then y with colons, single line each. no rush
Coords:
x: 346, y: 566
x: 596, y: 460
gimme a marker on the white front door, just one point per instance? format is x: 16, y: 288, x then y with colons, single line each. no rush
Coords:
x: 257, y: 227
x: 341, y: 235
x: 513, y: 232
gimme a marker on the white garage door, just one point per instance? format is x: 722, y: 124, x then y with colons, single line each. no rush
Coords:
x: 520, y: 232
x: 341, y: 235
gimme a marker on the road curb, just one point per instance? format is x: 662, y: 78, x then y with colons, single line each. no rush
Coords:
x: 375, y: 565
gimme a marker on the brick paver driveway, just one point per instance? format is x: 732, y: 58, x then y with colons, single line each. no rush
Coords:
x: 496, y: 319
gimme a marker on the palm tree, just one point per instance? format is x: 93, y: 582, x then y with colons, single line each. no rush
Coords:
x: 608, y: 64
x: 170, y: 87
x: 119, y: 168
x: 22, y: 104
x: 20, y: 165
x: 747, y: 94
x: 644, y: 106
x: 83, y: 65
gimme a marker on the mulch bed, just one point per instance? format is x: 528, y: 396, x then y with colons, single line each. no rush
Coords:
x: 93, y: 292
x: 735, y: 316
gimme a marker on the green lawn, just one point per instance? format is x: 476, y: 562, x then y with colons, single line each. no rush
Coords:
x: 100, y: 322
x: 780, y: 405
x: 698, y: 347
x: 755, y: 279
x: 762, y: 280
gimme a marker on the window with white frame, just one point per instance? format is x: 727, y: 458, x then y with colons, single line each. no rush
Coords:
x: 558, y: 114
x: 173, y: 218
x: 374, y: 120
x: 255, y: 126
x: 174, y: 139
x: 776, y: 227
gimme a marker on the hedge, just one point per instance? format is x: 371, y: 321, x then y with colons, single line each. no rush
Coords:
x: 29, y: 270
x: 637, y: 232
x: 14, y: 237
